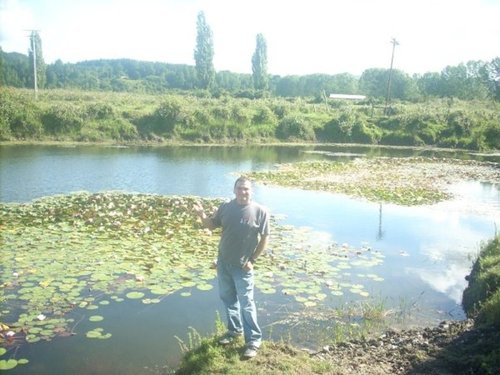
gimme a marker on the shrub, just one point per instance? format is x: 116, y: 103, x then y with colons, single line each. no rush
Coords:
x: 19, y: 117
x: 264, y: 115
x: 481, y: 298
x: 99, y: 111
x: 363, y: 132
x: 400, y: 138
x: 460, y: 123
x: 340, y: 128
x: 63, y: 118
x: 241, y: 115
x: 167, y: 116
x: 295, y: 128
x: 491, y: 134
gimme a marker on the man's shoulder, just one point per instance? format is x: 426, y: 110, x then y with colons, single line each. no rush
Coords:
x: 260, y: 207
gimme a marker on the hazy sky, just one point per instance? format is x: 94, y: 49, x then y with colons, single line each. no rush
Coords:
x: 303, y: 36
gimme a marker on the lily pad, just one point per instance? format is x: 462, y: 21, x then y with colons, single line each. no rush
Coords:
x: 74, y: 250
x: 7, y: 364
x: 204, y: 287
x: 96, y: 318
x: 135, y: 295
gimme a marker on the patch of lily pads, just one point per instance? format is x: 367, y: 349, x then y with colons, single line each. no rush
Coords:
x: 78, y: 252
x: 9, y: 364
x: 404, y: 181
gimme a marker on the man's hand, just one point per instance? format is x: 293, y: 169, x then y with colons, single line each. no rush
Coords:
x: 199, y: 210
x: 206, y: 221
x: 248, y: 266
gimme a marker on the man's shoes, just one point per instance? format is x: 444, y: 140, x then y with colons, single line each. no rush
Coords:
x: 228, y: 338
x: 250, y: 351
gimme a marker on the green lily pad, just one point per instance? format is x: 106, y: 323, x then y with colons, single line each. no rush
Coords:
x: 70, y: 253
x: 204, y: 287
x: 93, y: 334
x: 96, y: 318
x: 7, y: 364
x: 134, y: 295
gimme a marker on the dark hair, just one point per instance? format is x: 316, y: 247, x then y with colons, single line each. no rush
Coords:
x: 241, y: 179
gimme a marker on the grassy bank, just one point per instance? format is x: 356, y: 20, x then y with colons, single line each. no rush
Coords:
x: 61, y: 115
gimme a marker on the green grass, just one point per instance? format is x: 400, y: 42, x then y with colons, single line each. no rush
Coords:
x: 273, y: 358
x: 71, y: 115
x: 481, y: 299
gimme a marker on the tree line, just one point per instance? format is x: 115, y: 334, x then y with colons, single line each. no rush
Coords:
x: 473, y: 80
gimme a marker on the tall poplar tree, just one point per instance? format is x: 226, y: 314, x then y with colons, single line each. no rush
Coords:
x: 204, y: 53
x: 41, y: 68
x: 2, y: 76
x: 259, y: 65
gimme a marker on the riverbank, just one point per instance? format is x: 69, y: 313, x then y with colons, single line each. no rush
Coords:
x: 451, y: 348
x: 66, y: 115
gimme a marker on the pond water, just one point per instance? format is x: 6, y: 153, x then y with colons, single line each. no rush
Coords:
x: 428, y: 250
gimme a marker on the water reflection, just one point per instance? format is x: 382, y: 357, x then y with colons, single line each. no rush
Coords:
x: 380, y: 233
x: 428, y: 250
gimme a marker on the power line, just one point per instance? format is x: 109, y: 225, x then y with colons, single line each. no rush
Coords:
x: 388, y: 97
x: 33, y: 49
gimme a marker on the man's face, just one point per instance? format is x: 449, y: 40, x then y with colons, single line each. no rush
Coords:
x: 243, y: 192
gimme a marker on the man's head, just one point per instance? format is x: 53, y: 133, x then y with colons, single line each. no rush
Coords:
x: 243, y: 190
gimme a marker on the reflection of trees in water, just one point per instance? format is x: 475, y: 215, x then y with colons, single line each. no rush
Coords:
x: 268, y: 154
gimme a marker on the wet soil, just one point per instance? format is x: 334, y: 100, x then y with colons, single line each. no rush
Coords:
x: 453, y: 347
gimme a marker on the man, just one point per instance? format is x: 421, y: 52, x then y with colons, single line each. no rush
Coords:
x: 245, y: 232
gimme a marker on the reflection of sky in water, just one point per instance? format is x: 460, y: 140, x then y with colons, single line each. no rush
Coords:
x: 425, y: 247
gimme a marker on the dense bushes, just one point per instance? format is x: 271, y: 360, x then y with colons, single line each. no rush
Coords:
x: 295, y: 128
x: 481, y: 299
x: 19, y: 117
x: 195, y: 116
x: 63, y: 119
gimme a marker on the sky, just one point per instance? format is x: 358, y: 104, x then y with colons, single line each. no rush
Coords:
x: 302, y: 36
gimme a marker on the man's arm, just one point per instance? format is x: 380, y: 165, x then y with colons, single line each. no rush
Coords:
x: 206, y: 221
x: 261, y: 246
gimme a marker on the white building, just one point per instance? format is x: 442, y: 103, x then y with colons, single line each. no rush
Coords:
x: 347, y: 96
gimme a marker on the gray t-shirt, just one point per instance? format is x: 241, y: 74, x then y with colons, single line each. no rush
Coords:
x: 241, y: 227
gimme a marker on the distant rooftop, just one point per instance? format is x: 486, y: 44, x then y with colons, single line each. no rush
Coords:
x: 347, y: 96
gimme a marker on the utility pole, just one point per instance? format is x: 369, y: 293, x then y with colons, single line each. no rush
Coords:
x: 388, y: 97
x: 33, y: 50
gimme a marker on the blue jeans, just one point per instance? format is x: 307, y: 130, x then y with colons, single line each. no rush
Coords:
x: 236, y: 291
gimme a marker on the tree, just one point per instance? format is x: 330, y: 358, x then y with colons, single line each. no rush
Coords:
x: 494, y: 78
x: 2, y: 79
x: 463, y: 81
x: 259, y: 65
x: 204, y: 53
x: 36, y: 57
x: 429, y: 84
x: 373, y: 82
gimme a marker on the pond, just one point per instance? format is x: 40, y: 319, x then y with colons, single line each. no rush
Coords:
x: 427, y: 250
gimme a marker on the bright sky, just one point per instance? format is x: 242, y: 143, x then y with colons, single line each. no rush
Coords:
x: 303, y: 36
